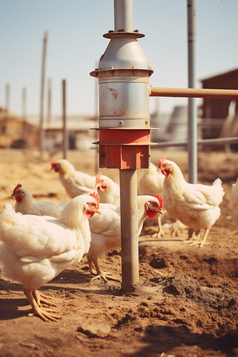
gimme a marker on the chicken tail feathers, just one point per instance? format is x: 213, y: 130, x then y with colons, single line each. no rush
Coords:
x: 63, y: 203
x: 6, y: 219
x: 217, y: 184
x: 218, y: 181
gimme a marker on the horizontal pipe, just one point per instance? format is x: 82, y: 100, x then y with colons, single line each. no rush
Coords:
x: 199, y: 142
x: 194, y: 93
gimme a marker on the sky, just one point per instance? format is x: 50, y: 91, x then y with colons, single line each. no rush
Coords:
x: 75, y: 44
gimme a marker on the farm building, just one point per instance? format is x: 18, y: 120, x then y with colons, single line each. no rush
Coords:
x: 79, y: 129
x: 15, y: 132
x: 217, y: 109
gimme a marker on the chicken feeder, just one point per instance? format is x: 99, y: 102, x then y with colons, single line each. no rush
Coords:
x: 124, y: 125
x: 124, y: 90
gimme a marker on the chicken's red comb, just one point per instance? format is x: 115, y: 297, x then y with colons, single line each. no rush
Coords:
x: 161, y: 161
x: 16, y: 188
x: 98, y: 176
x: 95, y: 195
x: 53, y: 162
x: 160, y: 199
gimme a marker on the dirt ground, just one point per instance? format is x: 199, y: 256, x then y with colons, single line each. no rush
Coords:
x: 186, y: 303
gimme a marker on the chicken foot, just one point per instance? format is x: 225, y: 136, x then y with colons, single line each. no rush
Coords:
x: 99, y: 272
x: 105, y: 275
x: 202, y: 242
x: 41, y: 298
x: 44, y: 313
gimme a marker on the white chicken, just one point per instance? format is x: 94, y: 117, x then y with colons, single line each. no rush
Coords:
x: 37, y: 248
x: 195, y: 205
x: 108, y: 190
x: 233, y: 201
x: 25, y: 205
x: 151, y: 183
x: 75, y: 182
x: 106, y: 229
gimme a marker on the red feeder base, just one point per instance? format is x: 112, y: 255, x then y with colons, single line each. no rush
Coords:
x: 129, y: 148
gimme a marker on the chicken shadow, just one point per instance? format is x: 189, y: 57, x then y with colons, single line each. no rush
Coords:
x: 162, y: 339
x: 82, y: 277
x: 10, y: 308
x: 78, y: 281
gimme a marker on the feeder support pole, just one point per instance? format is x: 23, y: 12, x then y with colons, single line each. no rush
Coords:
x: 129, y: 230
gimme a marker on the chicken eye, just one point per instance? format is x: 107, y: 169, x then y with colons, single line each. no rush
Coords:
x: 154, y: 204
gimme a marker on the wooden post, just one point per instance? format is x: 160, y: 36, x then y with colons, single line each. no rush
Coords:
x: 7, y: 101
x: 23, y: 126
x: 65, y: 132
x: 42, y: 92
x: 49, y: 103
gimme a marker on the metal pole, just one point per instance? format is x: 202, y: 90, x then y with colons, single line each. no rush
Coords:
x: 231, y: 140
x: 96, y: 120
x: 192, y: 112
x: 7, y: 108
x: 42, y: 92
x: 123, y: 21
x: 129, y: 230
x: 123, y: 15
x: 65, y: 132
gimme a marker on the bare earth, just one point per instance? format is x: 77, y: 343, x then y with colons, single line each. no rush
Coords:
x: 186, y: 303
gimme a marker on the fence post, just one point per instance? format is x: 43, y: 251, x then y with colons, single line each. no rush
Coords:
x: 65, y: 132
x: 45, y: 40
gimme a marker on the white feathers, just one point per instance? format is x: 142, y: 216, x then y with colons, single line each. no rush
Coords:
x: 75, y: 182
x: 25, y: 205
x: 195, y: 205
x: 37, y: 248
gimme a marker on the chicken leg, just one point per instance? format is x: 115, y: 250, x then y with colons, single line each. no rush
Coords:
x: 160, y: 232
x: 45, y: 314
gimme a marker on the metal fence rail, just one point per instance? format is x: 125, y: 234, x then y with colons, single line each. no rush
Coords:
x: 199, y: 142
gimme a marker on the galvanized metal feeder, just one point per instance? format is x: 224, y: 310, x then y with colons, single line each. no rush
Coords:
x: 124, y: 124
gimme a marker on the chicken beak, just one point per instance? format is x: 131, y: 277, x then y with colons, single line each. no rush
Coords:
x: 97, y: 211
x: 161, y: 212
x: 13, y: 195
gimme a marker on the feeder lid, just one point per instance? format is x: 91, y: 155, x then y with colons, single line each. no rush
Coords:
x: 123, y: 53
